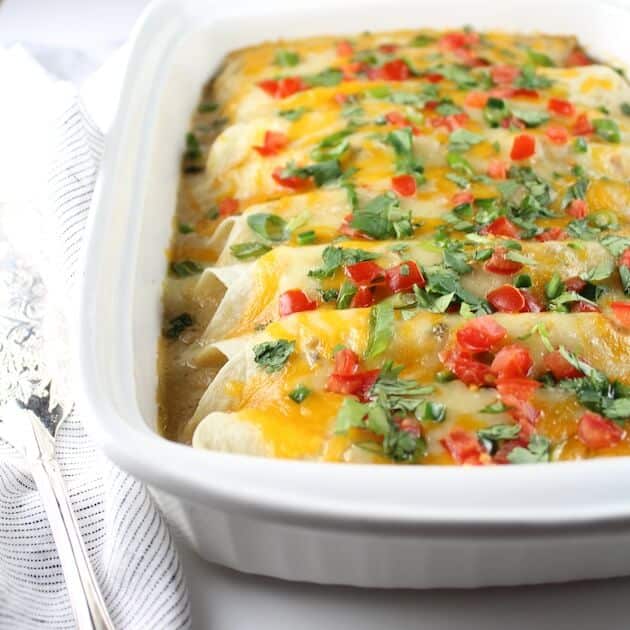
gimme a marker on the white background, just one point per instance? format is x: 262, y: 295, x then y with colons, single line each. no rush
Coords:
x: 72, y: 38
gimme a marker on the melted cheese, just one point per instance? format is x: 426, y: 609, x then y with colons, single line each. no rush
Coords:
x: 309, y: 133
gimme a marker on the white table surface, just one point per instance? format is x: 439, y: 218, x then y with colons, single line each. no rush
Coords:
x: 71, y: 38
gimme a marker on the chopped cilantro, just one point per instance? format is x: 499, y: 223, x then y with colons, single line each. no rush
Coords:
x: 293, y: 114
x: 496, y: 407
x: 185, y: 228
x: 299, y: 394
x: 577, y: 190
x: 531, y: 118
x: 495, y: 110
x: 270, y: 226
x: 382, y: 218
x: 539, y: 59
x: 177, y: 325
x: 616, y: 245
x: 528, y: 79
x: 345, y: 295
x: 271, y: 356
x: 381, y: 329
x: 537, y: 452
x: 205, y: 108
x: 185, y: 268
x: 253, y: 249
x: 607, y: 129
x: 286, y: 59
x: 334, y: 258
x: 306, y: 238
x: 462, y: 140
x: 193, y: 148
x: 580, y: 145
x: 326, y: 78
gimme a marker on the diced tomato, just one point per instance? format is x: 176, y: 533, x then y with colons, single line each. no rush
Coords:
x: 574, y: 283
x: 358, y: 384
x: 557, y: 134
x: 388, y: 49
x: 433, y: 77
x: 363, y: 298
x: 476, y: 99
x: 504, y: 91
x: 466, y: 368
x: 524, y: 413
x: 270, y: 86
x: 552, y: 234
x: 410, y: 425
x: 346, y: 362
x: 584, y: 307
x: 281, y: 88
x: 364, y: 273
x: 497, y: 169
x: 345, y: 48
x: 578, y: 208
x: 621, y: 311
x: 512, y: 389
x: 506, y: 299
x: 396, y: 118
x: 560, y: 107
x: 462, y: 197
x: 395, y: 70
x: 458, y: 39
x: 340, y: 98
x: 532, y: 303
x: 350, y: 70
x: 498, y: 263
x: 404, y: 276
x: 597, y: 432
x: 523, y: 147
x: 504, y: 74
x: 273, y: 143
x: 469, y: 58
x: 582, y: 126
x: 295, y: 301
x: 624, y: 259
x: 525, y: 93
x: 481, y: 334
x: 464, y: 447
x: 294, y: 182
x: 451, y: 122
x: 577, y: 57
x: 513, y: 361
x: 502, y: 226
x: 555, y: 363
x: 404, y: 185
x: 228, y: 206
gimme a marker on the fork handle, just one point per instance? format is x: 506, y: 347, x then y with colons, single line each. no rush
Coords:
x: 86, y: 599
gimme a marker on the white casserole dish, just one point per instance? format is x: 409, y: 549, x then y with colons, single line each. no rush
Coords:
x: 333, y: 523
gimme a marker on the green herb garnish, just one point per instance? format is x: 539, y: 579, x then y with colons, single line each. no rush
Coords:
x: 271, y: 356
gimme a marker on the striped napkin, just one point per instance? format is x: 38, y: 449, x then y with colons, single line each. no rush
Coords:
x: 130, y: 546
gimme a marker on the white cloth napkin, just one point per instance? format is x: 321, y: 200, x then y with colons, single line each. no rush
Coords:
x: 46, y: 132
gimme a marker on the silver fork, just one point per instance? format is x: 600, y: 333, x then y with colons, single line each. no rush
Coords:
x: 30, y: 426
x: 29, y: 421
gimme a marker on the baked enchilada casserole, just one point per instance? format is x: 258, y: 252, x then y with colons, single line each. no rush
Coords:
x: 405, y: 247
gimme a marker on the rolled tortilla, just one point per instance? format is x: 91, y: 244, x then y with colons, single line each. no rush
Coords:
x: 245, y: 394
x: 252, y: 291
x: 235, y: 87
